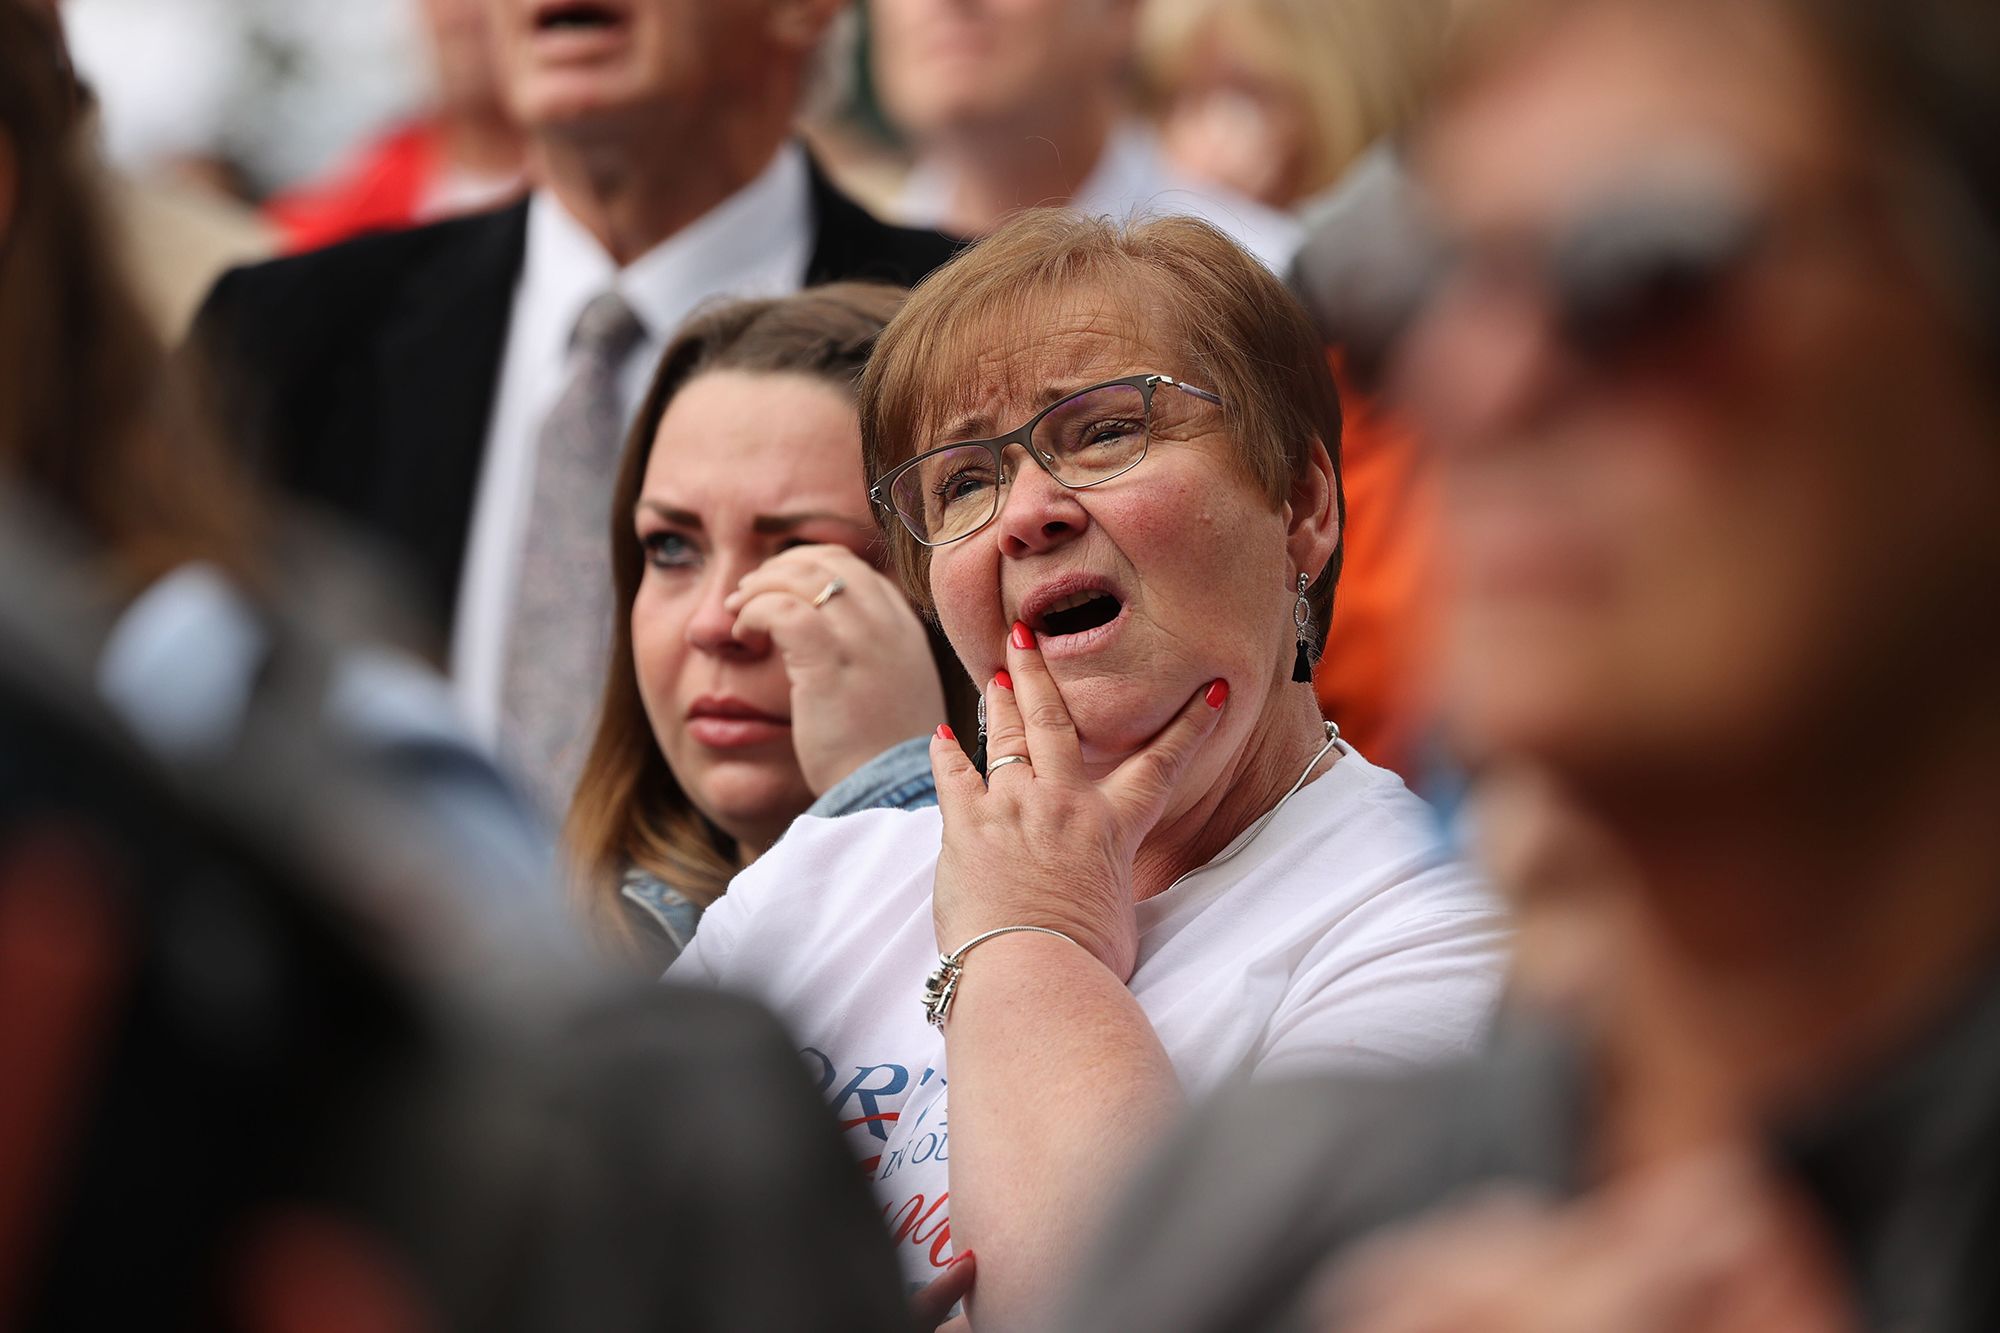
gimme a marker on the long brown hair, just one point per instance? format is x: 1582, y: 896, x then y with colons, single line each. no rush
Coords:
x: 629, y: 811
x: 93, y: 421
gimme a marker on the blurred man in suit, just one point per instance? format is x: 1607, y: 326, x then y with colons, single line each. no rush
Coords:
x: 459, y: 390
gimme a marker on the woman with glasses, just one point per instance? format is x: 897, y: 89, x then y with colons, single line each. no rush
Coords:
x: 761, y: 658
x: 1105, y: 459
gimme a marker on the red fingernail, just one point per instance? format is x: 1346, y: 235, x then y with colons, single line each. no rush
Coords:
x: 944, y: 732
x: 1218, y: 693
x: 1003, y: 680
x: 1023, y: 636
x: 959, y: 1258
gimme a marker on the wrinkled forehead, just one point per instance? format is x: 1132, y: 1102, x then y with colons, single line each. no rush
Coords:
x: 995, y: 368
x: 1599, y: 97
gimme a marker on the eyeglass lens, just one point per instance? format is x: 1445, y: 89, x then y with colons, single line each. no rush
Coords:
x: 1084, y: 439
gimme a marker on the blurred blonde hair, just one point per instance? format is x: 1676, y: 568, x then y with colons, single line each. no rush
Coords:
x: 1360, y: 68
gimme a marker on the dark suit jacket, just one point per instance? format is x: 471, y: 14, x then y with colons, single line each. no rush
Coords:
x: 361, y: 377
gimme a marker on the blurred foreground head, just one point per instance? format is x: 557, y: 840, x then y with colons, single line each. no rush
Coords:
x: 234, y: 1051
x: 1712, y: 375
x: 82, y: 390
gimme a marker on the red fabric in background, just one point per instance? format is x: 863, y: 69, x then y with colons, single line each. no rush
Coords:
x: 383, y: 187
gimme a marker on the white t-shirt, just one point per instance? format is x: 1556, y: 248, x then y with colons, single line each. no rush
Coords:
x: 1341, y: 938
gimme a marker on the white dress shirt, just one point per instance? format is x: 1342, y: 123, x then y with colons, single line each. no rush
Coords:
x: 757, y: 242
x: 1133, y: 178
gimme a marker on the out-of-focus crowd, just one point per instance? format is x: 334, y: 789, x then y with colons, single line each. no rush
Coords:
x: 1000, y: 664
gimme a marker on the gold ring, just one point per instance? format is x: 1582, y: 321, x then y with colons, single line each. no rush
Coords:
x: 829, y: 592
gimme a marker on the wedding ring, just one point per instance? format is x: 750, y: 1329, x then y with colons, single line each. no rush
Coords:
x: 995, y: 765
x: 829, y: 592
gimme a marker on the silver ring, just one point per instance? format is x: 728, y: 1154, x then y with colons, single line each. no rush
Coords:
x: 829, y: 592
x: 995, y: 765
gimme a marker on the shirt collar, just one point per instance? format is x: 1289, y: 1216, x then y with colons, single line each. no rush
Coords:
x: 757, y: 242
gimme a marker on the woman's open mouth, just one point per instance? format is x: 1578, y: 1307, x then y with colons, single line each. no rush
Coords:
x: 1078, y: 613
x: 1073, y: 615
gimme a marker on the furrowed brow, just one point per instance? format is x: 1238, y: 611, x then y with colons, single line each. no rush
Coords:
x: 680, y: 518
x: 771, y: 524
x: 979, y: 425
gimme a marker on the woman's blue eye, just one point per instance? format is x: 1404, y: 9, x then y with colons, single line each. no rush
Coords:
x: 668, y: 550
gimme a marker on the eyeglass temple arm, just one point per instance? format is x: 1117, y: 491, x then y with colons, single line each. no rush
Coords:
x: 1202, y: 394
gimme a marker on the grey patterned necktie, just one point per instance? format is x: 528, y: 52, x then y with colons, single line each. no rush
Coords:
x: 559, y: 642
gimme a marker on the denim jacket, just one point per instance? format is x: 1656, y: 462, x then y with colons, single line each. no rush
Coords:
x: 897, y: 779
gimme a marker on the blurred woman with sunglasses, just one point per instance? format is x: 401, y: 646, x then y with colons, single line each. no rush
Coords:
x: 1106, y: 462
x: 1712, y: 379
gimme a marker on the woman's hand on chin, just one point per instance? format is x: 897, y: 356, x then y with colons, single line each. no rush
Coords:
x: 1039, y: 843
x: 859, y: 662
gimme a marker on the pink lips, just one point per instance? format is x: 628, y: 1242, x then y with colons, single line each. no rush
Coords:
x: 566, y: 30
x: 726, y: 723
x: 1057, y: 647
x: 1046, y: 594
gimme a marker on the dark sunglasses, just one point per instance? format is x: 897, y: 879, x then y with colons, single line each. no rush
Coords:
x: 1622, y: 278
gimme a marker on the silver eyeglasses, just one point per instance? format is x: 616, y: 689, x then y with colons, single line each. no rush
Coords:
x: 1090, y: 436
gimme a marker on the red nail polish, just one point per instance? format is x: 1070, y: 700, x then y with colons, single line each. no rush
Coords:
x: 1218, y: 693
x: 944, y: 732
x: 1023, y: 636
x: 959, y: 1258
x: 1003, y: 680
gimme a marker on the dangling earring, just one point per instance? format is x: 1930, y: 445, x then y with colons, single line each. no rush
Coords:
x: 1302, y: 667
x: 979, y: 755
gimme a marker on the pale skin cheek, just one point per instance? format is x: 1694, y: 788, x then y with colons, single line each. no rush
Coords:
x: 656, y: 671
x: 968, y: 610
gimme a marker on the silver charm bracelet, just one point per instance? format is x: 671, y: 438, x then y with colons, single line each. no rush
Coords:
x: 942, y: 985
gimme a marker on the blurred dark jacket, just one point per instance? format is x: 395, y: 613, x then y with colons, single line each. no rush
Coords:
x: 362, y: 377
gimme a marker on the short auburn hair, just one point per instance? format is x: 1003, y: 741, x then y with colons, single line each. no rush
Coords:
x: 1238, y: 331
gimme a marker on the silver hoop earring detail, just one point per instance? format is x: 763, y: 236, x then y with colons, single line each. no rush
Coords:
x: 1302, y: 667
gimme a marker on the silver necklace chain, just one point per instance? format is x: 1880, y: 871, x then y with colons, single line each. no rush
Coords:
x: 1244, y: 840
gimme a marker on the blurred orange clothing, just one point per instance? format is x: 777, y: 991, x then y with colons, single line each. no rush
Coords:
x: 1374, y: 677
